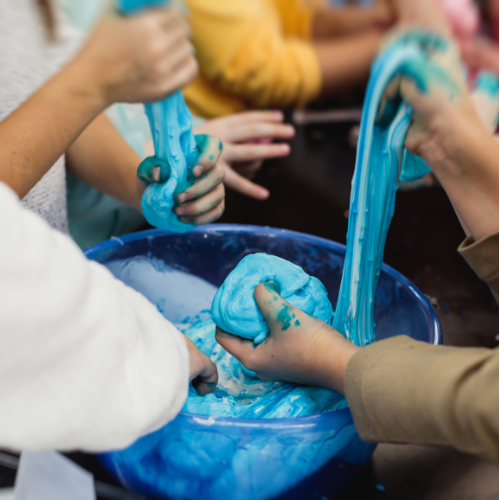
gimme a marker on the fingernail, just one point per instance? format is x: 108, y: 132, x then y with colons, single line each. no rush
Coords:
x: 180, y: 211
x: 184, y: 219
x: 182, y: 197
x: 198, y: 170
x: 284, y: 148
x: 273, y: 286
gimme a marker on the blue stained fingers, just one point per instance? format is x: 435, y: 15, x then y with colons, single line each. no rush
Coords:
x: 174, y: 142
x: 210, y: 149
x: 240, y: 394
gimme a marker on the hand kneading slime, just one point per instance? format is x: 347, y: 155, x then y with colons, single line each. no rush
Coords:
x: 174, y: 142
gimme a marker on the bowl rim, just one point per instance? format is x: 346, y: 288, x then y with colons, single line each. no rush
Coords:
x: 336, y: 418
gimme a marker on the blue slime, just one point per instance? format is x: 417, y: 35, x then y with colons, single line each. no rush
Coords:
x: 381, y: 159
x: 234, y: 309
x: 171, y: 127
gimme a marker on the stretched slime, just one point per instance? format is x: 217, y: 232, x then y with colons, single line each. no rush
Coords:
x: 381, y: 158
x: 171, y: 127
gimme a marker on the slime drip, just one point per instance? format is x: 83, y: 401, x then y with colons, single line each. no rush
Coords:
x: 171, y: 127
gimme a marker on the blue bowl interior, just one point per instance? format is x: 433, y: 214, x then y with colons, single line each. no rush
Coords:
x: 212, y: 252
x: 305, y: 456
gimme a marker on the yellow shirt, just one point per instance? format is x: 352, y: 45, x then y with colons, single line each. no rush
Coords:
x: 252, y: 54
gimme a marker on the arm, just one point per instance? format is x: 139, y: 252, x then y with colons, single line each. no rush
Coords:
x: 96, y: 363
x: 448, y: 134
x: 403, y: 391
x: 127, y: 59
x: 337, y: 23
x: 346, y: 62
x: 399, y: 390
x: 242, y: 49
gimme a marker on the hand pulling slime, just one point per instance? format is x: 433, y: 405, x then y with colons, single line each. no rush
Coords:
x: 174, y: 143
x: 381, y: 159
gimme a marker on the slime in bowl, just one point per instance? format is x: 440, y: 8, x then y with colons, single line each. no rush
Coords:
x: 203, y: 457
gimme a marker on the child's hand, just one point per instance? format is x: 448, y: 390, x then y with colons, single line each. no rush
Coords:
x: 247, y: 142
x: 199, y: 201
x: 202, y: 371
x: 141, y: 58
x: 299, y: 348
x: 448, y: 134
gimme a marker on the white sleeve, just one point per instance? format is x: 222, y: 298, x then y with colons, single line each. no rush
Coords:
x: 85, y: 361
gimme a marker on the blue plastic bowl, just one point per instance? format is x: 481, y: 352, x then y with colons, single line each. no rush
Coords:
x: 200, y: 457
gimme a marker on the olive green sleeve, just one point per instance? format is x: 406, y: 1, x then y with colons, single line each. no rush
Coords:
x: 403, y: 391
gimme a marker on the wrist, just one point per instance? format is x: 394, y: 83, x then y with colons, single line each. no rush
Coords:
x: 334, y: 354
x: 84, y: 83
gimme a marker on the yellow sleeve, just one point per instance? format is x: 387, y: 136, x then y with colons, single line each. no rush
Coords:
x: 296, y: 18
x: 243, y: 50
x: 403, y: 391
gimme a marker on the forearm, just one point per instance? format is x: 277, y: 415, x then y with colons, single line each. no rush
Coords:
x: 469, y: 174
x: 39, y: 132
x: 336, y: 23
x: 346, y: 62
x: 102, y: 158
x: 404, y: 391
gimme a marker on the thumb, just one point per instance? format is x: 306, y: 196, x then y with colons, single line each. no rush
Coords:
x: 279, y: 314
x: 244, y: 186
x: 152, y: 169
x: 210, y: 148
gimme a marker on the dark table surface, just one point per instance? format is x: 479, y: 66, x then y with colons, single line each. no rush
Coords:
x: 310, y: 193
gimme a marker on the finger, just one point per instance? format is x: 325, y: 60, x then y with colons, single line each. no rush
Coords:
x: 244, y: 186
x: 203, y: 204
x: 206, y: 218
x: 190, y: 190
x: 251, y: 152
x: 389, y: 103
x: 239, y: 347
x: 152, y: 169
x: 246, y: 117
x: 279, y: 314
x: 177, y: 56
x: 260, y: 130
x: 409, y: 92
x: 183, y: 74
x: 206, y: 381
x: 210, y: 150
x: 247, y: 169
x: 172, y: 18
